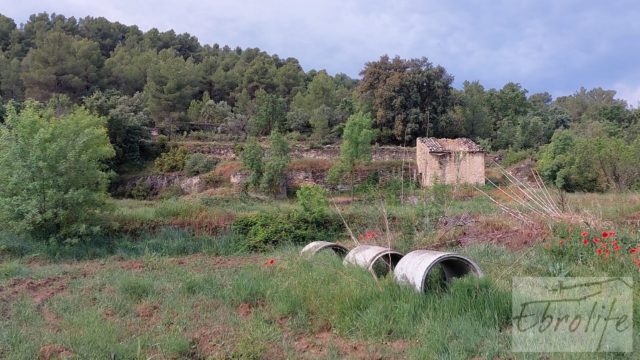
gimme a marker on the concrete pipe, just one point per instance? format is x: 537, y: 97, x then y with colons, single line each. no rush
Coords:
x: 377, y: 260
x: 415, y: 267
x: 316, y: 246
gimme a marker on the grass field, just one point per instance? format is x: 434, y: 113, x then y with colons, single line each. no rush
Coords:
x: 174, y: 288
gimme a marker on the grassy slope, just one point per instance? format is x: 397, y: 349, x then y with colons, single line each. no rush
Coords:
x: 144, y: 303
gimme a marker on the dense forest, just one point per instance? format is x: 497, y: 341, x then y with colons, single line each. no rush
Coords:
x: 170, y: 82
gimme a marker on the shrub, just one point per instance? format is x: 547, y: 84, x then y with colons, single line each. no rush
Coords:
x: 512, y: 157
x: 141, y: 190
x: 197, y: 164
x: 267, y: 229
x: 312, y: 200
x: 171, y: 161
x: 53, y: 183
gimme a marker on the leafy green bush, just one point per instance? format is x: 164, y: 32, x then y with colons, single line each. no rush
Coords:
x: 313, y: 200
x: 53, y: 181
x: 171, y: 161
x: 197, y: 164
x: 141, y: 190
x: 267, y: 229
x: 512, y: 157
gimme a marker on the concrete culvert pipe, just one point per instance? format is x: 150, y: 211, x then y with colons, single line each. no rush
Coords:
x: 316, y: 246
x: 415, y: 267
x: 377, y: 260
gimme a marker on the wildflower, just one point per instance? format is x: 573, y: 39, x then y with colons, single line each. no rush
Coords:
x: 585, y: 241
x: 370, y: 234
x: 633, y: 250
x: 599, y: 251
x: 616, y: 248
x: 596, y: 240
x: 612, y: 233
x: 561, y: 242
x: 606, y: 251
x: 584, y: 234
x: 605, y: 234
x: 270, y: 262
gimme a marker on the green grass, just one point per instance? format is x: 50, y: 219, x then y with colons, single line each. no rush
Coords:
x: 164, y: 308
x: 174, y: 302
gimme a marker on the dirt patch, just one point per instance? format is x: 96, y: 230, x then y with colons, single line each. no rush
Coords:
x: 210, y: 342
x: 54, y: 351
x: 38, y: 290
x: 108, y: 314
x: 205, y: 223
x: 147, y: 311
x: 633, y: 219
x: 318, y: 344
x: 134, y: 265
x: 244, y: 310
x: 218, y: 262
x: 510, y: 234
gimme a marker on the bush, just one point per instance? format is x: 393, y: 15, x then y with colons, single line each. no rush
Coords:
x: 266, y: 229
x: 197, y: 164
x: 171, y: 161
x: 53, y: 182
x: 141, y: 190
x: 512, y: 157
x: 312, y: 200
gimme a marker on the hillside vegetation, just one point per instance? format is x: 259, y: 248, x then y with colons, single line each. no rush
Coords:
x: 155, y: 193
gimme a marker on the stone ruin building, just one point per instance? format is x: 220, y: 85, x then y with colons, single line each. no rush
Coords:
x: 449, y: 161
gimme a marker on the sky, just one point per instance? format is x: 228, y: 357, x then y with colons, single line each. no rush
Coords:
x: 545, y: 45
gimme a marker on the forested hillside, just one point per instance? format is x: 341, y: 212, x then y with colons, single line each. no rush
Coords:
x: 170, y: 82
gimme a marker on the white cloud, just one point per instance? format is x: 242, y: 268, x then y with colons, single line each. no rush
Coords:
x: 628, y: 92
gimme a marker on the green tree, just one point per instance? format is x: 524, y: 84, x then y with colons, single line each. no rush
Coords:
x: 10, y: 82
x: 251, y: 157
x: 172, y: 83
x: 53, y: 182
x: 128, y: 123
x: 126, y: 69
x: 274, y: 178
x: 407, y: 97
x: 355, y: 149
x: 270, y: 114
x: 564, y: 163
x: 61, y: 64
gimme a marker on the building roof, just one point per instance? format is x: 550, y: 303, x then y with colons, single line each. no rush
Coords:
x: 449, y: 145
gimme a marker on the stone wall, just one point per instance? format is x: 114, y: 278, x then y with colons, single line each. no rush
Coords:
x: 225, y: 151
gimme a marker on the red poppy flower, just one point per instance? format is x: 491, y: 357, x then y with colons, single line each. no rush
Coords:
x: 605, y: 234
x: 585, y: 241
x: 596, y: 240
x: 270, y: 262
x: 633, y: 250
x: 584, y: 234
x: 616, y: 248
x: 599, y: 251
x: 612, y: 233
x: 561, y: 242
x: 606, y: 251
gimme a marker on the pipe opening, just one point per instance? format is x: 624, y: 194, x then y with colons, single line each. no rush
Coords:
x: 338, y: 250
x: 384, y: 264
x: 440, y: 275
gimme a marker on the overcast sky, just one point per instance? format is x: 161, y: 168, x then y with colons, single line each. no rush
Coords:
x: 545, y: 45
